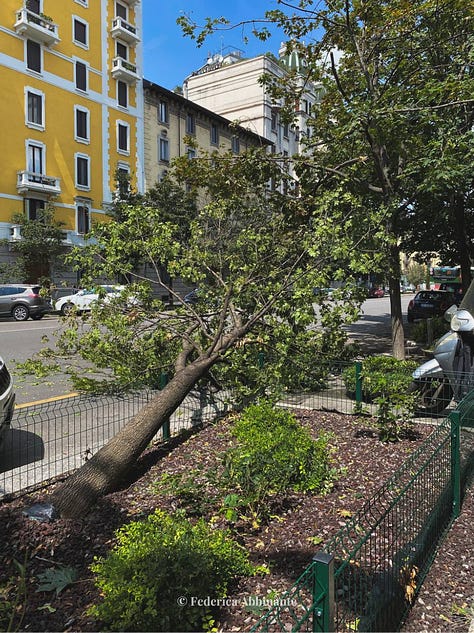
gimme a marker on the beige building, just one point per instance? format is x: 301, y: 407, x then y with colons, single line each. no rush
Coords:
x: 169, y: 118
x: 229, y: 85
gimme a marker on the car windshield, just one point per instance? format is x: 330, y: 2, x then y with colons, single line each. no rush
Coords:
x: 468, y: 301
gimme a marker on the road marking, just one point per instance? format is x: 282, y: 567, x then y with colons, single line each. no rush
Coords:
x: 29, y: 329
x: 45, y: 400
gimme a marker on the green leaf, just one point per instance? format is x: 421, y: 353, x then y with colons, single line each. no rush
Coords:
x: 56, y: 579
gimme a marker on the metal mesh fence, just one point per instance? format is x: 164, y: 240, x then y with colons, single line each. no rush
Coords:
x: 56, y: 437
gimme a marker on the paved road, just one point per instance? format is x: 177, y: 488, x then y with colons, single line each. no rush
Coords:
x: 20, y: 341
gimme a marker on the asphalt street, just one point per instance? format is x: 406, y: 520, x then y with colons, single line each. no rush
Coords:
x: 20, y: 341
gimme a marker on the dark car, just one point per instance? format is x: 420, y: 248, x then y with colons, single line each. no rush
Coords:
x: 7, y: 398
x: 429, y: 303
x: 22, y: 301
x: 376, y: 293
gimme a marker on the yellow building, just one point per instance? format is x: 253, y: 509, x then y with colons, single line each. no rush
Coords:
x: 72, y: 109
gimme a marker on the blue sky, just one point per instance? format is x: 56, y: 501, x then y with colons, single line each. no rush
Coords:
x: 168, y: 57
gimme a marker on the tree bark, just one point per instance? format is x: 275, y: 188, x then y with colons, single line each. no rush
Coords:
x: 457, y: 206
x: 398, y: 334
x: 100, y: 475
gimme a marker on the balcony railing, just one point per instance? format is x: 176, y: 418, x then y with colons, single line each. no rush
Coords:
x: 36, y: 27
x: 15, y: 232
x: 124, y: 30
x: 29, y: 181
x: 124, y: 70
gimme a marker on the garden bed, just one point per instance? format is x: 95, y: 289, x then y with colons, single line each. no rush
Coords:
x: 286, y: 543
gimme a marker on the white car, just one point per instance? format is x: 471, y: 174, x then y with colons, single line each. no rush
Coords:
x: 7, y: 397
x: 83, y: 299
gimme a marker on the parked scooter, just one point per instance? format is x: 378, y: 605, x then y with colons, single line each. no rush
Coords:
x: 450, y: 374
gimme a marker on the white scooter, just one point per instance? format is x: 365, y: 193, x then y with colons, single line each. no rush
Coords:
x: 451, y: 372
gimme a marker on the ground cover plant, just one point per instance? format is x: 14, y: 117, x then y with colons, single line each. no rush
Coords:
x: 285, y: 542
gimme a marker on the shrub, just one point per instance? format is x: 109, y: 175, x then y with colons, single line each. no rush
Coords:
x: 274, y: 455
x: 419, y: 331
x: 380, y: 376
x: 160, y: 569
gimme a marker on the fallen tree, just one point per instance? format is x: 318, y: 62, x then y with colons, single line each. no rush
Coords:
x: 255, y: 254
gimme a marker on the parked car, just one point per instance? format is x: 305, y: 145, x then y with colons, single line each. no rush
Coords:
x: 7, y: 398
x: 376, y: 293
x: 83, y: 300
x: 429, y: 303
x: 192, y: 297
x: 22, y: 301
x: 324, y: 292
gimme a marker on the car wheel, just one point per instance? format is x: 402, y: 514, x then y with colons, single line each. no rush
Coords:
x: 67, y: 308
x: 20, y: 313
x: 433, y: 395
x: 37, y: 317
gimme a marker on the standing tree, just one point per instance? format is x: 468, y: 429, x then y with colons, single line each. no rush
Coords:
x: 384, y: 90
x: 255, y: 255
x: 41, y: 246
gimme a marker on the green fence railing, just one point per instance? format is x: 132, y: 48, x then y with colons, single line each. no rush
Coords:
x: 370, y: 572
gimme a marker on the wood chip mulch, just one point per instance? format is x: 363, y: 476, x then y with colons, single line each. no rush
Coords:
x: 285, y: 543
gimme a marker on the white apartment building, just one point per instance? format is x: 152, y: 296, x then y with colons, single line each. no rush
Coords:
x: 229, y: 85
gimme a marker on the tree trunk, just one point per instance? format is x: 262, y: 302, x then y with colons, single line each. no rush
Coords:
x: 462, y: 244
x: 107, y: 467
x: 398, y: 334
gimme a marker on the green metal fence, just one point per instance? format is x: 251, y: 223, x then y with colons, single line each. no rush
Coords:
x: 369, y: 573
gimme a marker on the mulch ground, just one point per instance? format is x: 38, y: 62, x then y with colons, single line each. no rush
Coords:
x: 286, y: 543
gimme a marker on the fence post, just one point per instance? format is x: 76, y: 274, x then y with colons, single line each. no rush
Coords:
x: 455, y: 419
x: 166, y: 424
x: 358, y: 382
x: 323, y: 592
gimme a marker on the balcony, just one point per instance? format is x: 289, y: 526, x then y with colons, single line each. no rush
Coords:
x: 15, y: 232
x: 30, y: 182
x: 124, y: 70
x: 36, y: 27
x: 124, y: 31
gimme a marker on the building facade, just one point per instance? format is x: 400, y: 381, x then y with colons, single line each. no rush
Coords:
x: 170, y: 119
x: 72, y: 106
x: 229, y: 85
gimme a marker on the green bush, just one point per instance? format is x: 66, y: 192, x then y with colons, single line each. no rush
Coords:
x: 419, y: 330
x: 274, y: 455
x: 160, y: 569
x: 381, y: 376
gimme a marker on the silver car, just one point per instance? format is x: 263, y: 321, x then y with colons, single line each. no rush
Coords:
x: 7, y: 397
x: 22, y: 301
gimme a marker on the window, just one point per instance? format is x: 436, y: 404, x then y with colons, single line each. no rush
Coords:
x: 123, y: 179
x: 33, y: 56
x: 163, y: 115
x: 34, y: 109
x: 35, y: 157
x: 34, y: 209
x: 33, y: 5
x: 274, y: 120
x: 81, y: 76
x: 84, y: 3
x: 82, y: 124
x: 80, y: 32
x: 214, y: 134
x: 190, y: 123
x: 286, y: 130
x: 191, y: 152
x: 236, y: 145
x: 164, y: 149
x: 121, y: 11
x: 122, y: 94
x: 123, y: 137
x: 82, y: 171
x: 83, y: 219
x: 122, y: 50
